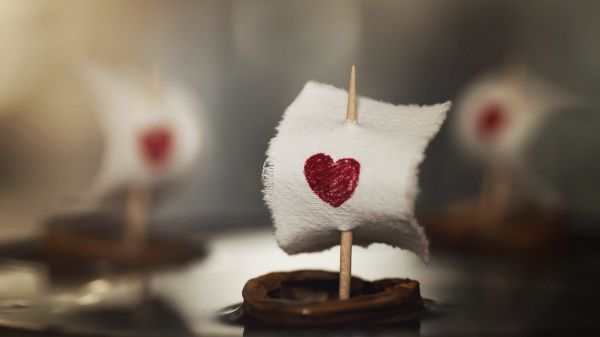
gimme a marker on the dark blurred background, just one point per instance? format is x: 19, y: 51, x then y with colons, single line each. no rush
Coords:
x: 247, y: 60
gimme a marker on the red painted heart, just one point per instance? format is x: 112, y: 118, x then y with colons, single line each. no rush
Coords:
x: 156, y: 145
x: 333, y: 182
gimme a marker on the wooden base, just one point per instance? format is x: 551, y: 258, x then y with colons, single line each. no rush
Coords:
x: 465, y: 226
x: 97, y: 236
x: 309, y: 299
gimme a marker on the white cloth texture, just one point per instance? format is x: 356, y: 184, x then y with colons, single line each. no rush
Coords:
x: 389, y: 143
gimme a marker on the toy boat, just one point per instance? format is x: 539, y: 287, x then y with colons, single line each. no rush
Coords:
x: 332, y: 181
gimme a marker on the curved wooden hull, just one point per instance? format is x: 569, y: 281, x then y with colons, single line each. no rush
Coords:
x: 308, y: 299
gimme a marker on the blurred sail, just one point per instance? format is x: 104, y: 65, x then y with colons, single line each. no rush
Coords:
x: 150, y: 129
x: 498, y: 115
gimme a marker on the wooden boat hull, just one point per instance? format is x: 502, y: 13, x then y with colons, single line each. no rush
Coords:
x: 524, y: 233
x: 97, y: 237
x: 308, y: 299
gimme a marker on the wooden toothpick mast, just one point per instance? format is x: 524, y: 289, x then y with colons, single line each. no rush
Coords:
x: 139, y: 198
x: 495, y: 192
x: 346, y: 236
x: 137, y: 209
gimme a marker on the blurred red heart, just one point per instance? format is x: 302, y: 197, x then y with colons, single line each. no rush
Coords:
x: 156, y: 144
x: 333, y: 182
x: 491, y: 120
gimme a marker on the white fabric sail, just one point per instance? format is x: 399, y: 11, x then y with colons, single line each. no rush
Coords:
x: 498, y: 115
x: 150, y: 130
x: 323, y: 175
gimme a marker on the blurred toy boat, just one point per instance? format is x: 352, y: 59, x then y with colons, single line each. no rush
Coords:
x: 496, y: 118
x: 330, y: 181
x: 151, y: 138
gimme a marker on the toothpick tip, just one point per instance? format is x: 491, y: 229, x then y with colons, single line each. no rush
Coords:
x: 351, y: 112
